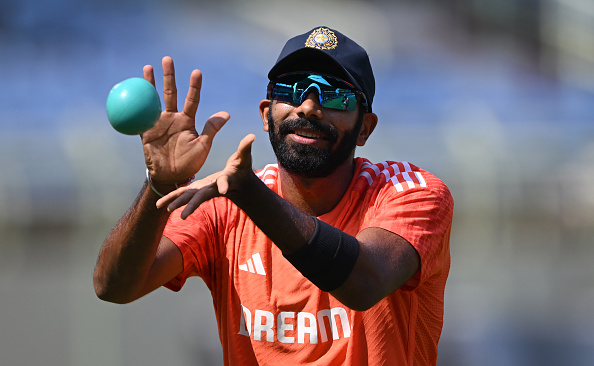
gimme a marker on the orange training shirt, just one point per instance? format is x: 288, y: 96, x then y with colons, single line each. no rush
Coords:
x: 269, y: 314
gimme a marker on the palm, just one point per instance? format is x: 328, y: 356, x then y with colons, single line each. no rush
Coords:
x: 173, y: 149
x: 231, y: 178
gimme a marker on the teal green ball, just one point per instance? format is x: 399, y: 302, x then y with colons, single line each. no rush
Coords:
x: 133, y: 106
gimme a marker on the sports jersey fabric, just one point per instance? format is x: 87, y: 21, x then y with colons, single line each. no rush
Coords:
x: 269, y: 314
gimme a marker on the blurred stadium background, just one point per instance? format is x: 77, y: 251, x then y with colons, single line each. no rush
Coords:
x: 495, y: 97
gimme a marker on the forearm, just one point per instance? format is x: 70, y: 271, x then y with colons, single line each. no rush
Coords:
x: 384, y: 261
x: 289, y: 228
x: 130, y: 249
x: 359, y: 271
x: 297, y: 235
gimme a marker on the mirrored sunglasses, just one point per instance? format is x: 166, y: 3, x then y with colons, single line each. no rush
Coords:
x: 332, y: 92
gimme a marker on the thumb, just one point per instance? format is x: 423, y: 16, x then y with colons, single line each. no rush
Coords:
x: 214, y: 125
x: 244, y: 151
x: 241, y: 159
x: 223, y: 184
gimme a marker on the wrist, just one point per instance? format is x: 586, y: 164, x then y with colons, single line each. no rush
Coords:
x: 245, y: 189
x: 328, y: 258
x: 162, y: 189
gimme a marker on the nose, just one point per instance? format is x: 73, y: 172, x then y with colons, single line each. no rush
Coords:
x: 311, y: 106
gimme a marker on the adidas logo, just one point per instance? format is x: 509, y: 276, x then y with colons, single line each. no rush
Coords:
x: 254, y: 265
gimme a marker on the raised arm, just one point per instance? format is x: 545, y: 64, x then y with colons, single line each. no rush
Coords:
x: 135, y: 258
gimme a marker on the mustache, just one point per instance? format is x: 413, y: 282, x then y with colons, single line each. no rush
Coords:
x: 289, y: 125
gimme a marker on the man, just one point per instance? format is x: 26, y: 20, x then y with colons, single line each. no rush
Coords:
x: 323, y: 258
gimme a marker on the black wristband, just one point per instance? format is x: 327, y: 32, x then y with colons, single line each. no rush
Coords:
x: 328, y: 258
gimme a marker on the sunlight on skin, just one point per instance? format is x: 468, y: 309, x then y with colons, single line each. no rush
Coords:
x: 214, y: 185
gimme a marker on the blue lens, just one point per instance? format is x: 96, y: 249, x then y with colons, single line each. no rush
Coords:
x: 332, y: 92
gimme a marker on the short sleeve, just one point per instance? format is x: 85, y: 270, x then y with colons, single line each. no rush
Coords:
x: 423, y: 217
x: 194, y: 238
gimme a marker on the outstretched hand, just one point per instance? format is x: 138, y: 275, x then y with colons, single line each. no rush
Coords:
x: 173, y: 149
x: 231, y: 179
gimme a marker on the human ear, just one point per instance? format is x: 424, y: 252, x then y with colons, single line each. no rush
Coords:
x: 367, y: 127
x: 264, y: 108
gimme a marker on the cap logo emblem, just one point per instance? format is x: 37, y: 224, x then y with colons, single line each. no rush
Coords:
x: 322, y: 39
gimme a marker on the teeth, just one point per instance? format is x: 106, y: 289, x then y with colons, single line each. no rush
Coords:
x: 308, y: 134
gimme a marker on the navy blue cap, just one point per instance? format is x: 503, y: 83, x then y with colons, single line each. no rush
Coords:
x: 327, y: 51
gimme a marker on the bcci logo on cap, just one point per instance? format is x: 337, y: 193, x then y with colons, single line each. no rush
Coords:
x: 322, y: 39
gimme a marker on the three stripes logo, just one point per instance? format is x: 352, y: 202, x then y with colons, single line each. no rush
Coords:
x: 400, y: 174
x: 254, y: 265
x: 269, y: 175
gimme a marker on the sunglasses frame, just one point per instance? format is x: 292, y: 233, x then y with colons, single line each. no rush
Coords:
x: 333, y: 81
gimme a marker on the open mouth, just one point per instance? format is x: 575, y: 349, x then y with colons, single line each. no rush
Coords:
x: 310, y: 134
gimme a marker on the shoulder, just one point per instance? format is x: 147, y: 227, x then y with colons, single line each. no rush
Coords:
x: 399, y: 176
x: 390, y: 183
x: 269, y: 175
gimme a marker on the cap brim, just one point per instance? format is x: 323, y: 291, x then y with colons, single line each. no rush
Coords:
x: 311, y: 60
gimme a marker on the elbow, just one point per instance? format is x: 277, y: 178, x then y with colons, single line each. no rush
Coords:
x: 103, y: 293
x: 108, y: 296
x: 359, y: 303
x: 360, y: 296
x: 107, y: 293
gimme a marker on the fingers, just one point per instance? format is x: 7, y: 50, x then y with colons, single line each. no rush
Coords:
x: 244, y: 150
x: 197, y: 185
x: 193, y: 97
x: 214, y: 125
x: 192, y: 198
x: 214, y: 185
x: 244, y: 158
x: 223, y: 184
x: 169, y: 87
x: 170, y: 197
x: 148, y: 74
x: 197, y: 198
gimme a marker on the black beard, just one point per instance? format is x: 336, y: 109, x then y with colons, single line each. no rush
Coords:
x: 306, y: 160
